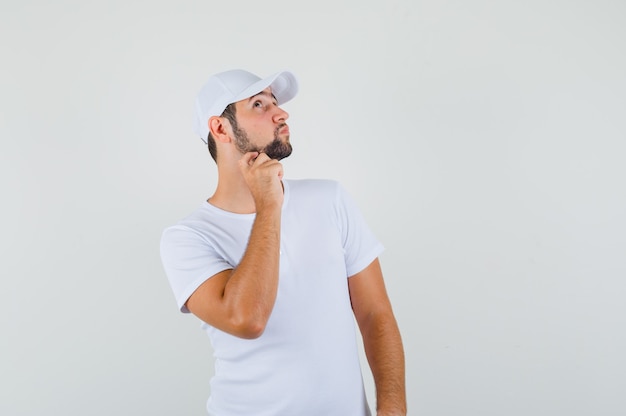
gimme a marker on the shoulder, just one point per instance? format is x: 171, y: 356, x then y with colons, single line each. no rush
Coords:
x: 190, y: 225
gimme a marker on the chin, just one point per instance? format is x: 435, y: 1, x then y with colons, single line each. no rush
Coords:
x: 278, y: 150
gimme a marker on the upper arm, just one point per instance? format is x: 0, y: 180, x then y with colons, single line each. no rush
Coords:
x: 368, y: 294
x: 206, y: 302
x: 188, y: 258
x: 220, y: 305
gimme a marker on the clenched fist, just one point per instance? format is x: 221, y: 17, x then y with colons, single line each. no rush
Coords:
x: 264, y: 179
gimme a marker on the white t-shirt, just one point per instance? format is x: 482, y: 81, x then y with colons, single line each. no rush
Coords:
x: 306, y: 362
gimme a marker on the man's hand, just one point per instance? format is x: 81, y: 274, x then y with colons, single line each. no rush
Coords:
x: 263, y: 176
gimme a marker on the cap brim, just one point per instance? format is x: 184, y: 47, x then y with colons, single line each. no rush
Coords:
x: 284, y: 87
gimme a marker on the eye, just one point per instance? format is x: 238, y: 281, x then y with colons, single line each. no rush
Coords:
x: 257, y: 104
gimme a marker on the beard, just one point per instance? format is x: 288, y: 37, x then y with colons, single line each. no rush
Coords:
x: 276, y: 149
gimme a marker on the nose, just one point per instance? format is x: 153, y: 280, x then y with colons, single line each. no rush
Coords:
x: 280, y: 115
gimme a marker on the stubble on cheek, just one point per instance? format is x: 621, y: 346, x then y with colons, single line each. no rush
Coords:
x: 242, y: 142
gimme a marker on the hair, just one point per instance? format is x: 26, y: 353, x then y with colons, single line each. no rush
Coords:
x: 230, y: 114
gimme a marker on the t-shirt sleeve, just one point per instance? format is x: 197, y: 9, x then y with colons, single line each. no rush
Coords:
x: 360, y: 245
x: 189, y: 260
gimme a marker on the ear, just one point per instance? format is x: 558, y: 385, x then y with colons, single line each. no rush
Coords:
x: 219, y: 128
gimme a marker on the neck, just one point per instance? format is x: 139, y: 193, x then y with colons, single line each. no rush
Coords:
x: 232, y: 193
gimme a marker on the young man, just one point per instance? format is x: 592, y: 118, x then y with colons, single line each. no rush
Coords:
x: 278, y: 269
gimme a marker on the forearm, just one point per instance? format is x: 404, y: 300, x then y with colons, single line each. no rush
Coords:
x: 385, y: 355
x: 251, y: 290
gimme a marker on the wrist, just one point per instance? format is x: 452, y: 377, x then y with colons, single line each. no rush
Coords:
x: 269, y: 207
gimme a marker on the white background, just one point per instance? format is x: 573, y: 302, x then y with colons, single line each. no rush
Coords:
x: 484, y: 141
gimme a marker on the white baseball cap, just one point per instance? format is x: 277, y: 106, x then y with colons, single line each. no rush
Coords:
x: 235, y: 85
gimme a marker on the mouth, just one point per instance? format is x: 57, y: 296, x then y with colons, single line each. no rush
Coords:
x: 284, y: 129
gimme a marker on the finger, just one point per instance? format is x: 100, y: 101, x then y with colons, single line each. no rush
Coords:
x: 248, y: 158
x: 275, y: 166
x: 261, y: 158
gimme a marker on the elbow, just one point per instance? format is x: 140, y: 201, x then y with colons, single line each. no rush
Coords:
x: 251, y: 331
x: 248, y: 328
x: 246, y: 319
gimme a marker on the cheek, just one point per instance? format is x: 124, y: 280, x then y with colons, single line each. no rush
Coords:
x: 262, y: 129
